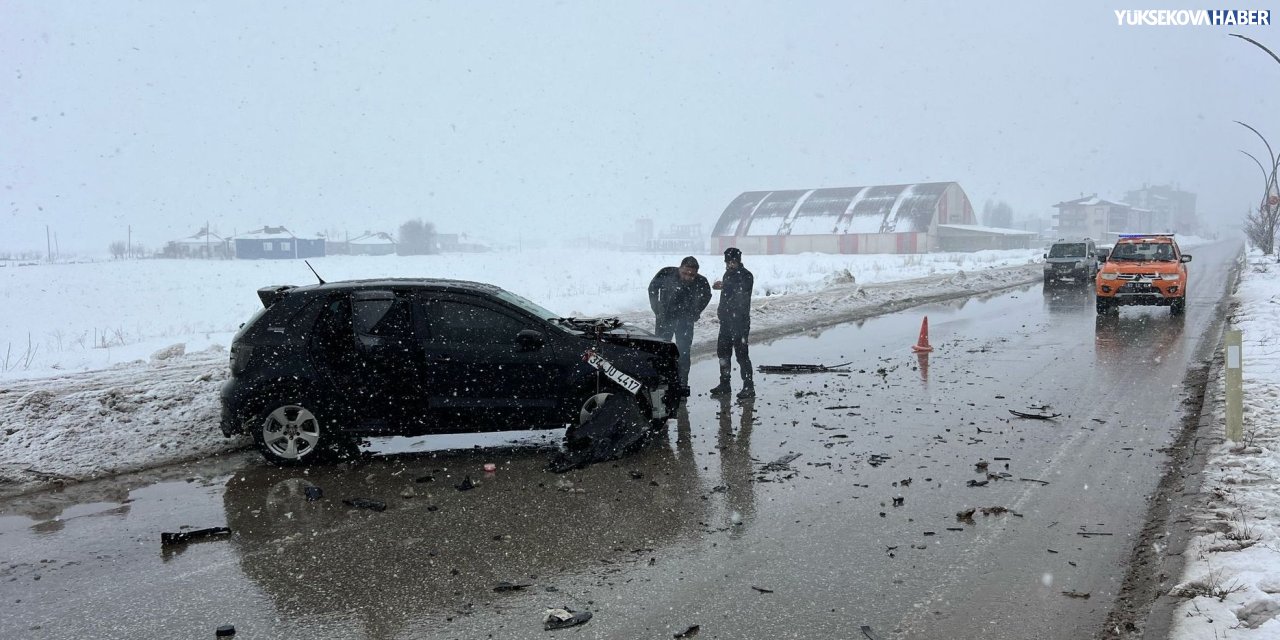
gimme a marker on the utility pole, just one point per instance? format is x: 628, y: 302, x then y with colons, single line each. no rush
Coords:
x: 129, y: 247
x: 48, y: 245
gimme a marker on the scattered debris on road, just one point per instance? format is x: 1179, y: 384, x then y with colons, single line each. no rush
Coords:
x: 688, y: 633
x: 465, y: 485
x: 365, y: 503
x: 761, y: 589
x: 313, y: 493
x: 504, y: 586
x: 803, y: 368
x: 781, y: 464
x: 169, y: 539
x: 564, y: 618
x: 1035, y: 416
x: 1076, y: 594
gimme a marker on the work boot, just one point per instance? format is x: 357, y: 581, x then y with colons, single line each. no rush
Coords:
x: 748, y: 391
x: 721, y: 390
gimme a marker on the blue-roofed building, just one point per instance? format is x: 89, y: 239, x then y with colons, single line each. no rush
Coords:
x: 274, y: 243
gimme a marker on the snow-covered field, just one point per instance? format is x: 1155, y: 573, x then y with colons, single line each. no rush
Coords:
x: 73, y: 317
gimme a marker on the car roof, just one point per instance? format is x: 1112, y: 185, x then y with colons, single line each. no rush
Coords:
x: 435, y: 284
x: 1146, y: 240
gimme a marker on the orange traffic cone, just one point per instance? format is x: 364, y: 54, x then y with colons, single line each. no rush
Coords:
x: 923, y: 345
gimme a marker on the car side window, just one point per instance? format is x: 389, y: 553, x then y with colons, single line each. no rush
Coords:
x: 461, y: 322
x: 331, y: 334
x: 382, y: 314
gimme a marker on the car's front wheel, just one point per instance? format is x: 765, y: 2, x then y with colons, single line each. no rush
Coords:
x: 1178, y: 306
x: 293, y: 434
x: 590, y: 405
x: 1105, y: 306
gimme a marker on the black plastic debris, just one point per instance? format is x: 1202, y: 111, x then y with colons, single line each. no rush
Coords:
x: 868, y: 634
x: 614, y: 429
x: 1034, y: 416
x: 169, y: 539
x: 365, y: 503
x: 504, y: 586
x: 225, y: 631
x: 781, y: 464
x: 465, y: 485
x: 803, y: 368
x: 425, y: 479
x: 688, y: 633
x: 761, y: 589
x: 564, y: 618
x: 313, y: 493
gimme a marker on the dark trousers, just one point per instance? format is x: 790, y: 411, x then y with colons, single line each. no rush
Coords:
x: 733, y: 340
x: 682, y: 331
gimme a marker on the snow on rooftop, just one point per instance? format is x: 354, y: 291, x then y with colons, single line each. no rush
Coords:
x: 994, y: 230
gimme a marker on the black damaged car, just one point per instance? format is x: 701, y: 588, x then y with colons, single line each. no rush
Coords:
x: 321, y: 366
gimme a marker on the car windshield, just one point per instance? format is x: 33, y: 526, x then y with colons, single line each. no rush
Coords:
x: 527, y: 305
x: 1144, y: 252
x: 1067, y: 250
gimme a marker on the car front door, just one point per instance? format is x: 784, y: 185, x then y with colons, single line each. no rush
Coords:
x: 480, y: 372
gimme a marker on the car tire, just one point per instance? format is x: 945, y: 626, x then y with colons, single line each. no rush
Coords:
x: 294, y: 434
x: 1105, y: 306
x: 590, y: 403
x: 1178, y: 306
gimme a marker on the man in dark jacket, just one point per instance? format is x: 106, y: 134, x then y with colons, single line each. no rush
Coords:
x: 734, y: 313
x: 677, y: 296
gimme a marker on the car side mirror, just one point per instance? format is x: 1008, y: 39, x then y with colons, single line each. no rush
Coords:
x: 530, y: 340
x: 1186, y: 258
x: 1046, y: 255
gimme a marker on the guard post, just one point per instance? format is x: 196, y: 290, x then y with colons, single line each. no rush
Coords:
x: 1235, y: 383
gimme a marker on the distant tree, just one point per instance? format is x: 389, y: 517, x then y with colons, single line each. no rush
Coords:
x: 118, y: 249
x: 416, y: 238
x: 999, y: 214
x: 1261, y: 224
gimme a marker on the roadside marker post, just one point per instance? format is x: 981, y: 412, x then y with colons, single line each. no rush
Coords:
x: 1235, y: 387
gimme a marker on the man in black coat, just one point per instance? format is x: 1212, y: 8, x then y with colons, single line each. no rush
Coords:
x: 734, y: 313
x: 677, y: 296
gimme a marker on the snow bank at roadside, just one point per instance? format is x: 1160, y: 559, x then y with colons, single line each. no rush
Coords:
x: 1232, y: 572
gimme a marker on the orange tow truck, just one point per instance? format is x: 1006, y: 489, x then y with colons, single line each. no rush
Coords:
x: 1143, y: 269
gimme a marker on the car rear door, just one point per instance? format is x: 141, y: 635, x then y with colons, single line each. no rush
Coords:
x: 389, y: 384
x: 478, y: 375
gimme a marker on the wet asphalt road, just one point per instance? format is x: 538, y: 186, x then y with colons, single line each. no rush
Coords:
x: 695, y: 529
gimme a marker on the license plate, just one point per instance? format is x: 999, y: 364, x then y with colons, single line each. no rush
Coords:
x: 611, y: 372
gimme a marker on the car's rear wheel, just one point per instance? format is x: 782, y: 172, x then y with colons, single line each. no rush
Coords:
x: 291, y: 434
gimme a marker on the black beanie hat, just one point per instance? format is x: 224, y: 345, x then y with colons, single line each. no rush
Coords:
x: 689, y: 261
x: 733, y: 254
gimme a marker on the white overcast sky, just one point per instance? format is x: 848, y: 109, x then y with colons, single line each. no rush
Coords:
x: 533, y: 118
